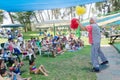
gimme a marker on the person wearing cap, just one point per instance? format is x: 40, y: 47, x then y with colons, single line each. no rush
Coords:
x: 94, y: 35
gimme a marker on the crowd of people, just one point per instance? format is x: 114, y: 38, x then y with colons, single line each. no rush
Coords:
x: 10, y: 51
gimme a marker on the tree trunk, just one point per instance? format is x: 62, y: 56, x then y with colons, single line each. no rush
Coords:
x: 11, y: 17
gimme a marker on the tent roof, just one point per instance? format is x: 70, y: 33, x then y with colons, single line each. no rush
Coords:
x: 30, y: 5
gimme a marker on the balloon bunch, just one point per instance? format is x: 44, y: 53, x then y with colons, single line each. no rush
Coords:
x: 74, y: 22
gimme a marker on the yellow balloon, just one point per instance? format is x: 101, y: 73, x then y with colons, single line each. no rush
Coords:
x: 83, y: 10
x: 80, y: 10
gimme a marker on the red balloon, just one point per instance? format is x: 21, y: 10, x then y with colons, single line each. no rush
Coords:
x: 74, y: 23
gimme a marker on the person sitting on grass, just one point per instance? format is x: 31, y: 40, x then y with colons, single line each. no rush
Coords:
x: 80, y: 42
x: 59, y: 50
x: 67, y: 46
x: 35, y: 70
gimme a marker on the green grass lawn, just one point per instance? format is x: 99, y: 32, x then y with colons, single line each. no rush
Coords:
x: 68, y: 66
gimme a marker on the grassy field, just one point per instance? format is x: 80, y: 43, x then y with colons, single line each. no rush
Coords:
x: 29, y: 35
x: 68, y: 66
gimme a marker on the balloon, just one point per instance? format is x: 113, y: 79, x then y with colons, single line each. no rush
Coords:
x: 74, y: 23
x: 80, y: 10
x: 83, y: 10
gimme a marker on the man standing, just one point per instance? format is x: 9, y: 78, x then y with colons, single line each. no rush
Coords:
x: 95, y: 39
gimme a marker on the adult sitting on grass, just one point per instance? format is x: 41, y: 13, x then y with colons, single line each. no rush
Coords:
x: 35, y: 70
x: 95, y: 39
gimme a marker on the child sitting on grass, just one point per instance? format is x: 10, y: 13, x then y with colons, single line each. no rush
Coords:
x: 59, y: 49
x: 35, y: 70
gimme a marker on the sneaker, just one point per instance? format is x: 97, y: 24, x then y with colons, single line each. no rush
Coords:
x: 105, y: 62
x: 95, y: 69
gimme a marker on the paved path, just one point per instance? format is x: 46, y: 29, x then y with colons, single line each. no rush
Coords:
x: 112, y: 70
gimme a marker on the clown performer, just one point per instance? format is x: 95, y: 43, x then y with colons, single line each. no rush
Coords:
x: 95, y: 39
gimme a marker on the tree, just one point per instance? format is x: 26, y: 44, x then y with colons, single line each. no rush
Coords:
x: 115, y: 4
x: 99, y: 6
x: 1, y: 16
x: 24, y: 18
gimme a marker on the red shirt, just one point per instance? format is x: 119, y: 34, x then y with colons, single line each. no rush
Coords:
x: 89, y: 29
